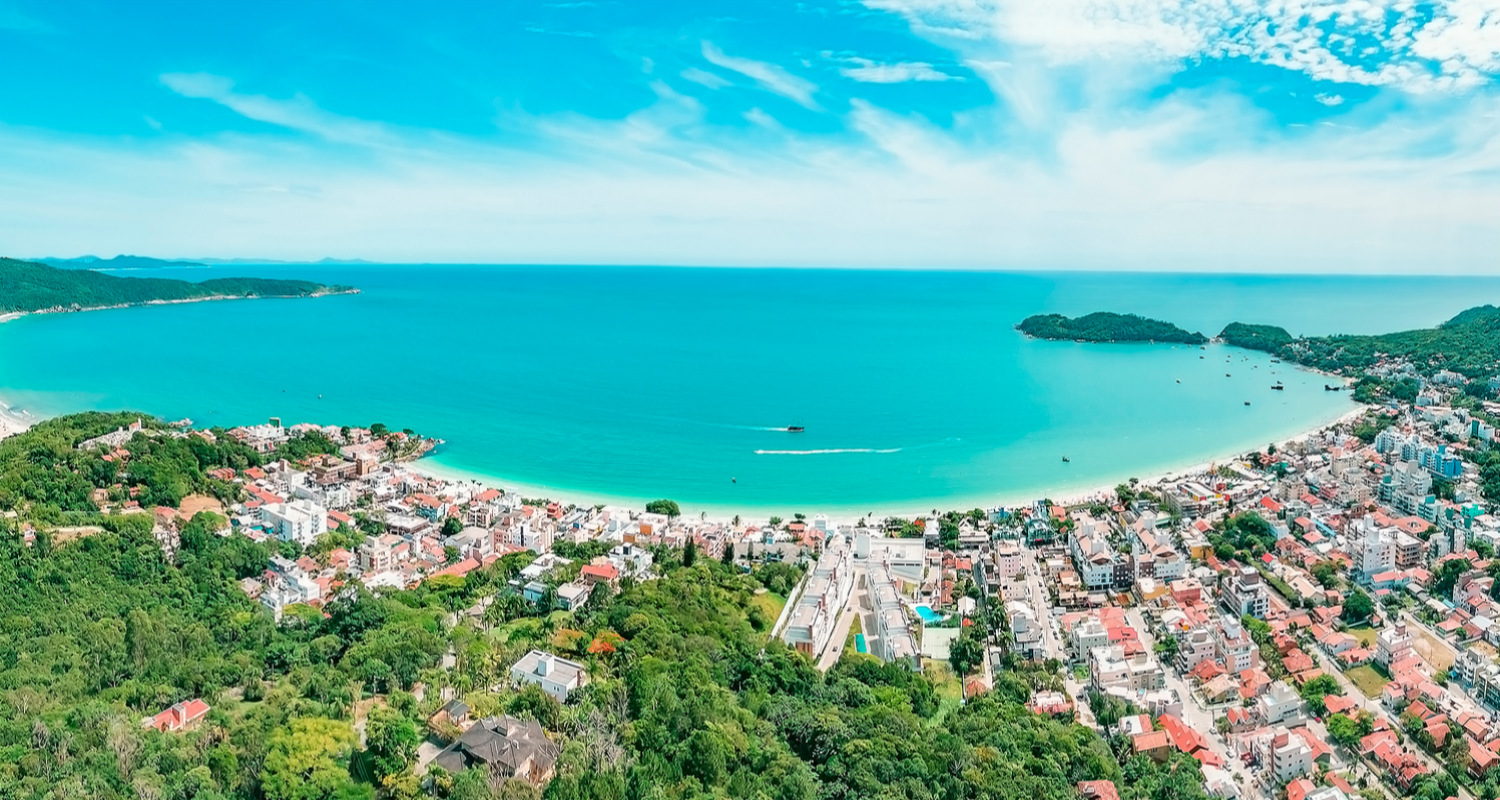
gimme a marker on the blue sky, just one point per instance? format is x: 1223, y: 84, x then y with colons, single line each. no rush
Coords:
x: 1215, y: 135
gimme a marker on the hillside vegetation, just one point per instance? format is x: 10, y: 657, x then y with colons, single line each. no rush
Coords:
x: 1104, y: 326
x: 688, y: 698
x: 29, y: 286
x: 1468, y: 344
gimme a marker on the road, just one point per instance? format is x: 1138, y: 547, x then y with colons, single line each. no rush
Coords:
x: 1196, y: 716
x: 857, y: 605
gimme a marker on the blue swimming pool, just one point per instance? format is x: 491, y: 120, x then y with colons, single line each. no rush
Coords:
x: 859, y: 643
x: 928, y: 615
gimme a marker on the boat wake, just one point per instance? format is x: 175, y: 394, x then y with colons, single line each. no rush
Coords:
x: 826, y: 452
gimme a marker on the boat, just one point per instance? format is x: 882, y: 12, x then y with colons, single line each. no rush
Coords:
x: 1247, y: 402
x: 1226, y: 374
x: 795, y: 429
x: 1328, y: 388
x: 1066, y: 460
x: 1275, y: 361
x: 1277, y: 386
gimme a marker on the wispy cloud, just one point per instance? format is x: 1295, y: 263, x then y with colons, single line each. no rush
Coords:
x: 771, y: 77
x: 868, y: 71
x: 704, y: 78
x: 298, y: 113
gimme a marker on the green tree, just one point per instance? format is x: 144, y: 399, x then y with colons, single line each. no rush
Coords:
x: 669, y: 508
x: 1316, y: 691
x: 966, y: 653
x: 1358, y: 606
x: 452, y: 526
x: 391, y: 741
x: 307, y: 761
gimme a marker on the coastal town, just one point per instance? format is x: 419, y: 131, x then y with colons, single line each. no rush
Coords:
x: 1319, y: 619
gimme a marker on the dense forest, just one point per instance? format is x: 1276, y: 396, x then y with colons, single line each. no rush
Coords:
x: 1468, y: 344
x: 689, y: 698
x: 1104, y: 326
x: 28, y: 286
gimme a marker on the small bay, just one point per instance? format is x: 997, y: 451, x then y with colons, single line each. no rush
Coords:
x: 608, y: 383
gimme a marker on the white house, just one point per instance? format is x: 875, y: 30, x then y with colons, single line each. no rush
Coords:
x: 557, y: 676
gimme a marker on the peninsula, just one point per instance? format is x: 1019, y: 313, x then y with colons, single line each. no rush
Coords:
x: 1468, y: 345
x: 29, y: 287
x: 1104, y: 326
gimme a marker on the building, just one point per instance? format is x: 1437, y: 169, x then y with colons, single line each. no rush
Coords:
x: 180, y: 716
x: 1392, y: 645
x: 1234, y: 646
x: 825, y: 593
x: 1110, y: 669
x: 1245, y: 593
x: 558, y: 677
x: 1025, y: 631
x: 300, y: 521
x: 892, y: 639
x: 1284, y: 755
x: 504, y: 747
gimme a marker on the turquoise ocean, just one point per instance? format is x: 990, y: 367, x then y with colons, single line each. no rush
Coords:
x: 624, y: 383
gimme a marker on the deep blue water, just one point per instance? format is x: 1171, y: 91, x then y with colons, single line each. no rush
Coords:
x: 915, y: 390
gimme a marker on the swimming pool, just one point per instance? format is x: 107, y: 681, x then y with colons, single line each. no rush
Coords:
x: 928, y: 615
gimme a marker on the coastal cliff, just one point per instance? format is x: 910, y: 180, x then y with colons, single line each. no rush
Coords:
x: 1104, y: 326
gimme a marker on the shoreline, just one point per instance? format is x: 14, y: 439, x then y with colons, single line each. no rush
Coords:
x: 14, y: 421
x: 912, y: 508
x: 9, y: 316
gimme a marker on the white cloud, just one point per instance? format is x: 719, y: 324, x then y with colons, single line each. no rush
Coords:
x: 1329, y: 99
x: 867, y: 71
x: 664, y: 186
x: 298, y: 113
x: 1444, y: 45
x: 771, y: 77
x: 705, y: 78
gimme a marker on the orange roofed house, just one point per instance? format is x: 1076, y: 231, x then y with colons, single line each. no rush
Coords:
x: 179, y: 716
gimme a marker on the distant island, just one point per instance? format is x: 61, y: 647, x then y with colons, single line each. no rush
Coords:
x: 118, y: 262
x: 1104, y: 326
x: 27, y: 287
x: 1467, y: 344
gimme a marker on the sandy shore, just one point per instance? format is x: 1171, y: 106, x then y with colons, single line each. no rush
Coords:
x: 725, y: 512
x: 13, y: 421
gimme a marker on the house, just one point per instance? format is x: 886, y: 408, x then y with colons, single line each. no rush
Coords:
x: 503, y: 746
x: 1098, y: 790
x: 558, y: 677
x: 572, y: 596
x: 1155, y: 744
x: 179, y: 716
x: 595, y: 574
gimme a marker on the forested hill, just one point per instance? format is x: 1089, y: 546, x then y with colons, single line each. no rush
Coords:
x: 1469, y: 344
x: 1104, y: 326
x: 688, y: 695
x: 28, y: 286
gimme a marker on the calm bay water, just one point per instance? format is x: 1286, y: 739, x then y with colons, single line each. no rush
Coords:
x: 609, y: 383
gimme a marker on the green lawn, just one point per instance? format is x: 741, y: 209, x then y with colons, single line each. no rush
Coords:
x: 770, y: 604
x: 1368, y: 679
x: 1365, y: 635
x: 855, y: 628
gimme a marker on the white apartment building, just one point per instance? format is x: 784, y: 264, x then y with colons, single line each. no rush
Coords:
x: 1234, y: 646
x: 1392, y: 645
x: 300, y: 521
x: 1110, y: 669
x: 1245, y: 593
x: 1284, y: 755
